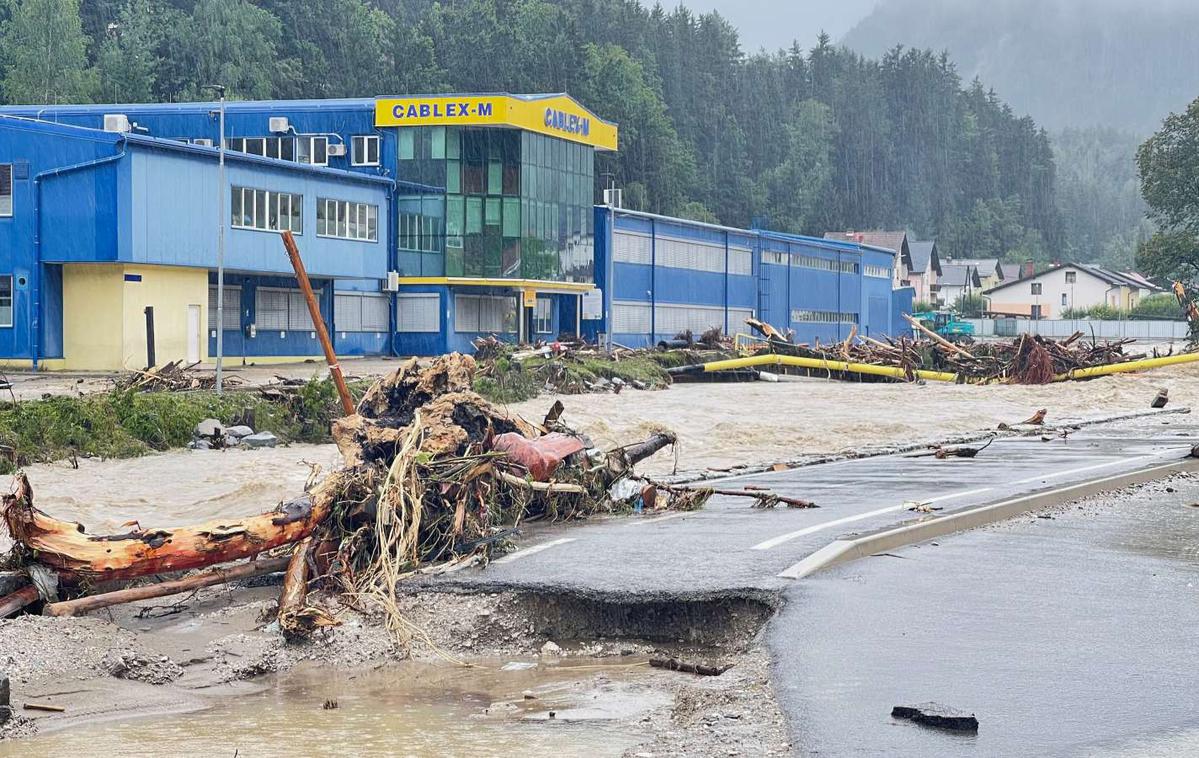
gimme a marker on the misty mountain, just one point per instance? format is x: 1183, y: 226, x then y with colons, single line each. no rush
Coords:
x: 1122, y: 64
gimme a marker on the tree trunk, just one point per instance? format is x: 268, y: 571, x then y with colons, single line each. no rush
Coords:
x: 80, y: 557
x: 162, y: 589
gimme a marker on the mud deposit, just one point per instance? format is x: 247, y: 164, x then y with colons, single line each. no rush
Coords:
x: 400, y: 709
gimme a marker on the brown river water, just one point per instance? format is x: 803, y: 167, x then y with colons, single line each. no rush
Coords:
x: 406, y: 709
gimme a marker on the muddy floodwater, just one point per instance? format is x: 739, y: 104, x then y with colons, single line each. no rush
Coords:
x: 405, y: 709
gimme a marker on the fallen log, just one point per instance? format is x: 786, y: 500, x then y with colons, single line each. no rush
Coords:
x: 764, y: 498
x: 674, y: 664
x: 297, y: 619
x: 938, y: 338
x: 162, y: 589
x: 80, y: 557
x: 10, y: 604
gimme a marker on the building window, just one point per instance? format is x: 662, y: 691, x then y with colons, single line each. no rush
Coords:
x: 232, y: 311
x: 5, y: 301
x: 312, y: 150
x: 878, y: 272
x: 823, y: 317
x: 365, y: 150
x: 266, y: 210
x: 1065, y: 301
x: 482, y: 313
x: 543, y: 316
x: 1036, y: 288
x: 282, y: 310
x: 418, y: 312
x: 1071, y: 277
x: 280, y: 148
x: 361, y: 312
x: 345, y: 220
x: 5, y: 189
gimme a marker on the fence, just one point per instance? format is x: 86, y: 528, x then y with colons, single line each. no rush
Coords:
x: 1155, y: 331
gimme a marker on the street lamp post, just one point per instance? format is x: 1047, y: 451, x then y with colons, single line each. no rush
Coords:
x: 220, y: 243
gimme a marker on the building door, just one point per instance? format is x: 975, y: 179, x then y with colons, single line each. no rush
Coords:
x: 193, y: 334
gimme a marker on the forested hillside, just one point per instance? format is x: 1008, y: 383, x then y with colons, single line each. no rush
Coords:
x: 1115, y: 64
x: 806, y: 140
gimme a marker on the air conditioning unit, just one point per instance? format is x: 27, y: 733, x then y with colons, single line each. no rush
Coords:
x: 337, y: 151
x: 116, y: 122
x: 614, y: 197
x: 202, y: 142
x: 278, y: 125
x: 393, y: 282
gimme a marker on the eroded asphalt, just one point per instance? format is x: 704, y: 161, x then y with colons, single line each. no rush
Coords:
x: 1065, y: 635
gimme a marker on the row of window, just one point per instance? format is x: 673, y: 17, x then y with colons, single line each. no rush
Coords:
x: 879, y: 272
x: 632, y: 317
x: 420, y: 233
x: 347, y: 220
x: 5, y: 189
x: 684, y: 254
x: 266, y: 210
x: 823, y: 317
x: 271, y: 211
x: 309, y: 149
x: 360, y: 312
x: 485, y: 313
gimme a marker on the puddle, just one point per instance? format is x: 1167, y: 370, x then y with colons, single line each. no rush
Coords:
x: 407, y: 709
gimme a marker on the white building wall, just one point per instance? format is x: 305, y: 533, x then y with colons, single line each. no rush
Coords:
x: 1056, y: 294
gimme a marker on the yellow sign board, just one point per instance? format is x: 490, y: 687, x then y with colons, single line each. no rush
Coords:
x: 553, y: 115
x: 530, y: 298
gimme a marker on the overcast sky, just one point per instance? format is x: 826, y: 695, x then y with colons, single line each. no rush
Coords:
x: 775, y: 23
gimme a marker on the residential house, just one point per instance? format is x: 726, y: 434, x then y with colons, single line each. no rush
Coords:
x: 1068, y: 286
x: 990, y: 270
x: 924, y: 274
x: 958, y: 279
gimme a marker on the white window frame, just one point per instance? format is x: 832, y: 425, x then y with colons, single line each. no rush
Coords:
x: 306, y: 150
x: 1036, y: 288
x: 360, y: 149
x: 354, y: 221
x: 283, y: 203
x: 543, y: 322
x: 7, y: 323
x: 6, y: 208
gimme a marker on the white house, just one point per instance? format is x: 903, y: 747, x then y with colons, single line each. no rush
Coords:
x: 1068, y: 286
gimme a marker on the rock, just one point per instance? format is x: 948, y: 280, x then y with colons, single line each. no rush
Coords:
x: 639, y: 385
x: 239, y: 431
x: 261, y: 439
x: 10, y: 582
x: 200, y: 445
x: 938, y: 716
x: 1163, y: 397
x: 209, y: 427
x: 529, y: 695
x: 551, y: 649
x: 5, y: 691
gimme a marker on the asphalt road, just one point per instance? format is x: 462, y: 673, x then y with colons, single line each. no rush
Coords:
x: 1070, y: 635
x: 1066, y: 636
x: 729, y: 545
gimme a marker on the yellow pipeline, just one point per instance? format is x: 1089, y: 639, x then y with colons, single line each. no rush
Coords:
x: 1123, y: 368
x: 825, y: 365
x: 937, y: 376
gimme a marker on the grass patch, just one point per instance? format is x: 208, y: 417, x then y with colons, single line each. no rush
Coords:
x: 124, y: 424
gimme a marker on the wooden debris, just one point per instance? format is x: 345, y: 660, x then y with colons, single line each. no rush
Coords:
x: 162, y: 589
x: 938, y: 716
x: 762, y: 498
x: 48, y: 707
x: 1163, y: 397
x: 173, y: 377
x: 14, y: 602
x: 674, y: 664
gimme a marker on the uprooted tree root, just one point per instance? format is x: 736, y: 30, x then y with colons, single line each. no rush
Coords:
x: 425, y: 484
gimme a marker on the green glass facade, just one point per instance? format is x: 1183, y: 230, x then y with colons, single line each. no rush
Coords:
x: 517, y: 205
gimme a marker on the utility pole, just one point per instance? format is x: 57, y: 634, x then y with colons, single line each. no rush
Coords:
x: 220, y: 243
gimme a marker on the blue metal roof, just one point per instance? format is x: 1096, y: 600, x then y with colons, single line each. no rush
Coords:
x: 158, y: 143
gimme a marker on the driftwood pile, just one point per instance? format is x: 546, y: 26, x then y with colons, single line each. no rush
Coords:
x: 1028, y: 359
x: 172, y: 377
x: 434, y: 475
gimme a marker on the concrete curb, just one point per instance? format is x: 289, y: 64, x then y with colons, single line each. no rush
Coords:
x: 892, y: 538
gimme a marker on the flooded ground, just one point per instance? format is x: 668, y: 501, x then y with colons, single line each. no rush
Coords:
x: 400, y: 709
x: 760, y: 423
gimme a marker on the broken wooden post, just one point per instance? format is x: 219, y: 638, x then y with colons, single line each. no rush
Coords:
x: 10, y: 604
x: 318, y: 323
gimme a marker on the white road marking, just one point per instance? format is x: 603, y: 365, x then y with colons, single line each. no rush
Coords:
x: 532, y: 550
x: 1068, y: 472
x: 656, y: 519
x: 783, y: 538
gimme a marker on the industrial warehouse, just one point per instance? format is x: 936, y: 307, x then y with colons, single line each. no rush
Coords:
x: 424, y: 222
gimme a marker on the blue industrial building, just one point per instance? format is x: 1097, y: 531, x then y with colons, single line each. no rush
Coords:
x: 424, y: 222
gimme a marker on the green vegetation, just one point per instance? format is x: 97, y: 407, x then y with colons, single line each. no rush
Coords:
x: 122, y: 424
x: 509, y: 381
x: 1169, y: 165
x: 804, y: 140
x: 970, y: 306
x: 1160, y: 307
